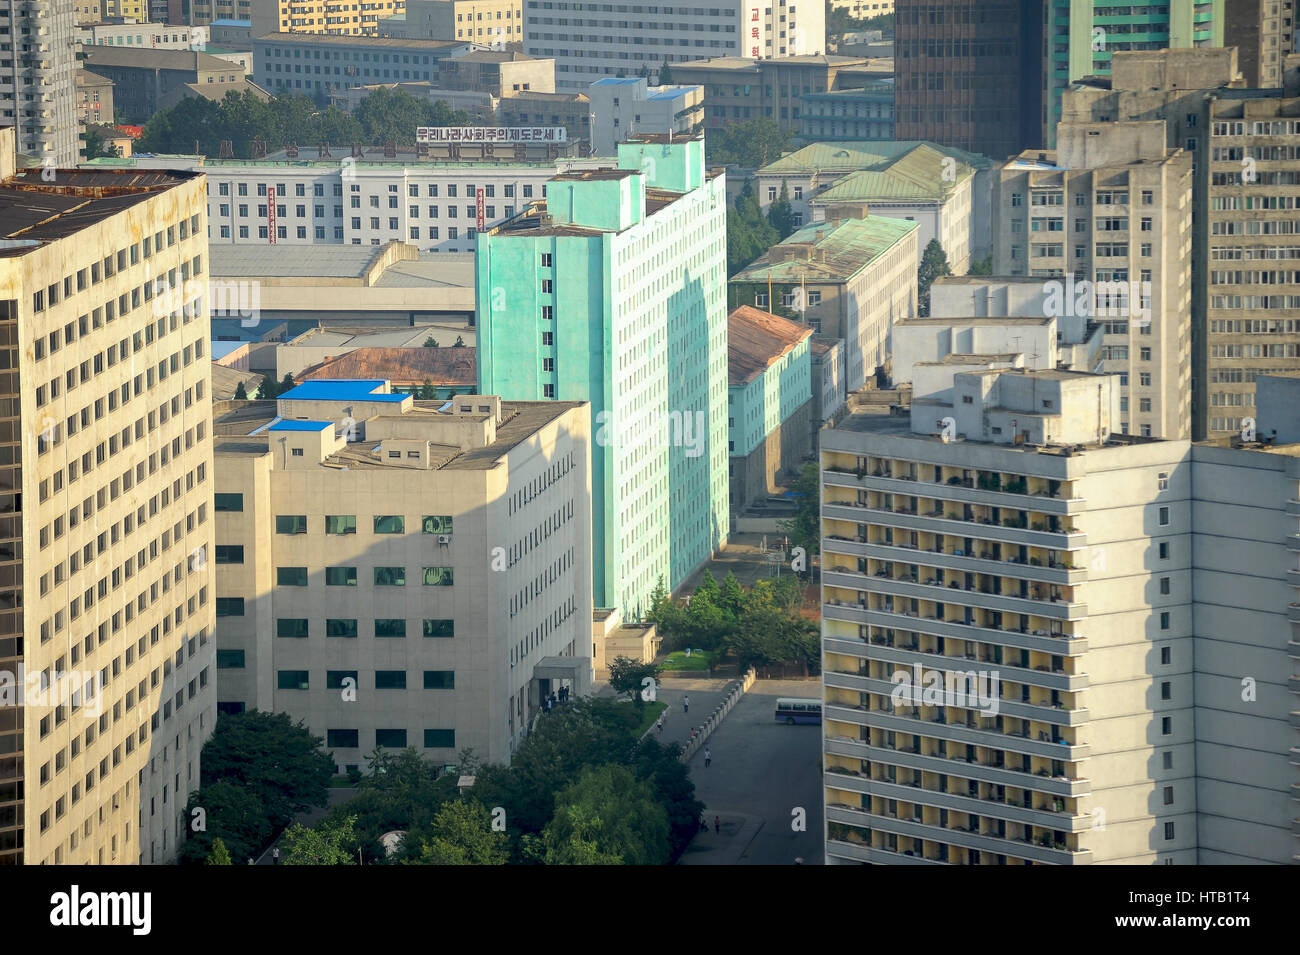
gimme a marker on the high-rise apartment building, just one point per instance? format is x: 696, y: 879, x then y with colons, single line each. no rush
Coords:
x: 622, y: 39
x: 1244, y: 314
x: 613, y: 290
x: 402, y: 573
x: 107, y: 474
x: 1037, y: 632
x: 1261, y: 31
x: 1080, y: 39
x: 38, y: 94
x: 495, y: 23
x: 299, y: 16
x: 967, y: 74
x: 1106, y: 221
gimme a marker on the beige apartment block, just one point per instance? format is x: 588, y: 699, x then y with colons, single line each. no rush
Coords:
x: 498, y: 24
x: 402, y: 573
x: 106, y: 470
x: 353, y: 17
x: 1261, y: 31
x: 1106, y: 221
x: 1106, y: 597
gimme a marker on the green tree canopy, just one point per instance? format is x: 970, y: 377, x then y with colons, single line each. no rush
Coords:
x: 332, y: 843
x: 780, y: 215
x: 627, y: 675
x: 230, y: 813
x: 241, y: 393
x: 607, y: 817
x: 804, y: 528
x: 934, y: 264
x: 462, y: 834
x: 219, y: 855
x: 751, y: 144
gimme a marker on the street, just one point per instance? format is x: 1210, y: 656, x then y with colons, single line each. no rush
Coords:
x: 762, y: 771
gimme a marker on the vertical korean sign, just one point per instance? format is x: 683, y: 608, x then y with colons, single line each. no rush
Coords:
x: 270, y: 213
x: 478, y: 203
x: 753, y: 33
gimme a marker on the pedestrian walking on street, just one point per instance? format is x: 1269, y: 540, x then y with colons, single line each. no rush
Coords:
x: 708, y: 757
x: 275, y: 855
x: 717, y: 825
x: 686, y: 704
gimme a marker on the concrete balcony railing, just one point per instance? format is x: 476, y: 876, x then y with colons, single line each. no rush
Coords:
x: 1293, y: 507
x: 968, y: 563
x: 983, y: 842
x: 989, y: 808
x: 858, y: 852
x: 905, y: 658
x: 1050, y: 540
x: 1041, y: 712
x: 965, y: 494
x: 1001, y: 775
x: 1060, y: 609
x: 1041, y: 640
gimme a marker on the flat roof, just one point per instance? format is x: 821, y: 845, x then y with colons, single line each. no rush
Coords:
x: 348, y: 389
x: 428, y: 270
x: 287, y: 425
x: 333, y: 39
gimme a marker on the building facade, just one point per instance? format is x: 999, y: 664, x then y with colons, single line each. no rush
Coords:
x: 318, y: 65
x: 624, y: 107
x: 108, y: 518
x: 495, y: 23
x: 588, y: 45
x: 147, y: 80
x: 444, y: 578
x: 739, y: 87
x: 38, y: 95
x: 94, y: 98
x: 1262, y: 32
x: 863, y: 113
x: 614, y: 292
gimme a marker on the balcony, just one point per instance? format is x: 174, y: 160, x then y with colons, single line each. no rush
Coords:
x: 876, y: 856
x: 1044, y: 712
x: 954, y: 802
x: 1019, y: 848
x: 965, y: 493
x: 1024, y: 639
x: 1060, y: 609
x: 1293, y: 507
x: 1051, y: 540
x: 931, y: 660
x: 978, y: 563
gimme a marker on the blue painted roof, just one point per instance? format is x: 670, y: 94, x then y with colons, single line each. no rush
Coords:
x: 301, y: 426
x: 615, y: 81
x: 363, y: 389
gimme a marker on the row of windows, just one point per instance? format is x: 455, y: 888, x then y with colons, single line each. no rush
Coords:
x: 384, y: 679
x: 347, y: 576
x: 384, y: 738
x: 112, y: 264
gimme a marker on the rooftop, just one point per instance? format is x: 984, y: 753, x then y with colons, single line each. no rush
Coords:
x: 991, y: 320
x: 333, y: 39
x: 352, y: 390
x: 334, y: 262
x: 101, y: 57
x: 301, y: 426
x: 740, y: 62
x: 440, y: 366
x: 854, y: 156
x: 756, y: 340
x: 834, y: 252
x: 924, y: 172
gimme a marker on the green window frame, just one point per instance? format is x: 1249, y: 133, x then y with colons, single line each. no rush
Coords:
x: 438, y: 577
x: 439, y: 628
x: 440, y: 679
x: 390, y: 627
x: 390, y: 524
x: 292, y: 680
x: 291, y: 523
x: 340, y: 576
x: 390, y: 576
x: 340, y: 627
x: 228, y: 502
x: 296, y: 627
x: 340, y: 524
x: 291, y: 576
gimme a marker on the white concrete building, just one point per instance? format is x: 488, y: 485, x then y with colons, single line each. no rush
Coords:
x: 400, y: 573
x: 371, y: 200
x: 37, y: 90
x: 621, y: 108
x: 622, y: 38
x: 1093, y: 608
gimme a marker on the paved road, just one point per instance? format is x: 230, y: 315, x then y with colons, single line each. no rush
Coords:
x: 761, y: 771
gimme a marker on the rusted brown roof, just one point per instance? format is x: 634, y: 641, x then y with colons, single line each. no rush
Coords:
x: 756, y: 339
x: 404, y: 367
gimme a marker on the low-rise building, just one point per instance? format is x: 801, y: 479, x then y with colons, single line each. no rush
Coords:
x: 148, y: 80
x: 498, y: 72
x: 425, y: 372
x: 829, y: 395
x: 769, y: 401
x: 338, y: 62
x: 866, y: 112
x: 851, y: 277
x: 623, y: 107
x: 495, y: 23
x: 378, y: 561
x: 738, y: 88
x: 94, y: 99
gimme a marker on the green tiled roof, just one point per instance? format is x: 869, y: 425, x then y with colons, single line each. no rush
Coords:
x: 852, y: 156
x: 841, y: 252
x: 916, y: 175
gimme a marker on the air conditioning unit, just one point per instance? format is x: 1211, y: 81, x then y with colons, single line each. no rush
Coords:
x: 444, y: 538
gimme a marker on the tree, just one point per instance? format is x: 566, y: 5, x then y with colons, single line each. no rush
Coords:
x: 219, y: 854
x: 731, y: 597
x: 97, y: 146
x: 278, y: 762
x: 333, y: 842
x: 267, y: 389
x: 241, y: 393
x: 431, y: 342
x: 426, y: 391
x: 462, y: 834
x: 665, y: 75
x: 230, y: 813
x: 607, y: 817
x: 749, y: 233
x: 804, y: 528
x: 751, y: 144
x: 780, y: 215
x: 934, y: 264
x: 286, y: 383
x: 982, y: 266
x: 459, y: 342
x: 627, y: 675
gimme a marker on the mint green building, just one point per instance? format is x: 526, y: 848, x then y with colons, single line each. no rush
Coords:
x: 613, y: 290
x: 1082, y: 36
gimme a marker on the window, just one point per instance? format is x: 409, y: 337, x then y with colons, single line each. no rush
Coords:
x: 341, y: 524
x: 230, y: 554
x: 342, y: 739
x: 390, y: 576
x: 1163, y: 516
x: 1166, y: 655
x: 1164, y: 586
x: 440, y: 628
x: 1163, y: 550
x: 340, y: 627
x: 1166, y: 690
x: 228, y: 502
x: 230, y: 606
x: 437, y: 576
x: 340, y: 576
x: 334, y: 679
x: 439, y: 739
x: 436, y: 524
x: 1162, y: 481
x: 291, y: 627
x: 1164, y: 620
x: 390, y: 739
x: 291, y: 576
x: 230, y: 659
x: 291, y: 523
x: 387, y: 524
x: 1167, y: 760
x: 390, y: 679
x: 439, y: 679
x: 1169, y: 795
x: 291, y: 680
x: 1169, y: 830
x: 390, y: 627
